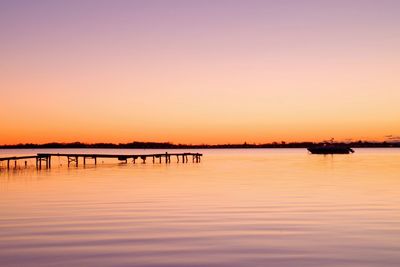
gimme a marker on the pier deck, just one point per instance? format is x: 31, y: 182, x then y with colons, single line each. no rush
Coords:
x: 74, y: 158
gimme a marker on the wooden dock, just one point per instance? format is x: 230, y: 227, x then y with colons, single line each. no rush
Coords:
x: 15, y: 159
x: 45, y: 158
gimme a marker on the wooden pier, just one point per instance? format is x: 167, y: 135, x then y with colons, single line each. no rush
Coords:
x: 74, y: 159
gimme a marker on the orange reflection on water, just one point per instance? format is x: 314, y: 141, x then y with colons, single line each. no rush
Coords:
x: 237, y: 207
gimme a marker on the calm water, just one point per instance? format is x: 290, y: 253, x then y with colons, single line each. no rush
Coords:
x: 236, y: 208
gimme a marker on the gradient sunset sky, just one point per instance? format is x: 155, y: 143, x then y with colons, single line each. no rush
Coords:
x: 206, y: 71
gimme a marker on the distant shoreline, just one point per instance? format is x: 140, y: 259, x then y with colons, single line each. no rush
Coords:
x: 155, y: 145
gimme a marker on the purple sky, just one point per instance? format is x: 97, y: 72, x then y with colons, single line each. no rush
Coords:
x: 262, y: 70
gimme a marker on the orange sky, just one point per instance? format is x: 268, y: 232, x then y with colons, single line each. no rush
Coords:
x: 223, y: 72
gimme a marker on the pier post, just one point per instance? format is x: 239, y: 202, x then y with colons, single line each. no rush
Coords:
x: 8, y: 164
x: 95, y: 160
x: 76, y: 161
x: 15, y: 164
x: 49, y: 162
x: 84, y: 161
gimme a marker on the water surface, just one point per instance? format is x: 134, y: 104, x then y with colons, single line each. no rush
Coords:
x: 254, y: 207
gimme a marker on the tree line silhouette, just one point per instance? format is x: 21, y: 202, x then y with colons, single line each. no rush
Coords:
x: 168, y: 145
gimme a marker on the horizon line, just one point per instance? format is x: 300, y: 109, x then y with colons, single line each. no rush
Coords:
x: 155, y: 145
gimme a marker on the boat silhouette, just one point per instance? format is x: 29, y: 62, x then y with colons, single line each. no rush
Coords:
x: 330, y: 148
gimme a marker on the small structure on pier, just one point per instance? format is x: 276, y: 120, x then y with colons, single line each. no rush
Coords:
x: 45, y: 158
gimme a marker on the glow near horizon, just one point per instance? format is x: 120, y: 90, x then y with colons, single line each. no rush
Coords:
x: 199, y: 71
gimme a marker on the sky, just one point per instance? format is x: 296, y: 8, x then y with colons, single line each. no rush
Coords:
x: 205, y: 71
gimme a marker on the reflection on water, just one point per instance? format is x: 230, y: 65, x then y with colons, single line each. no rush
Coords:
x: 260, y: 207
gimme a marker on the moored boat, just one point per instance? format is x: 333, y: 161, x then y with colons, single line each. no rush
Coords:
x: 330, y: 149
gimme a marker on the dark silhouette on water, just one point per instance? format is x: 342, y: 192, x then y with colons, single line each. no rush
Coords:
x: 330, y: 148
x: 74, y: 158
